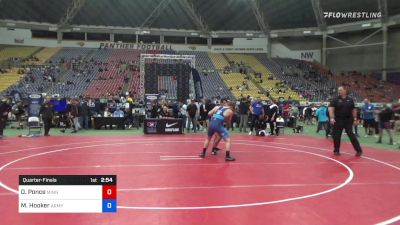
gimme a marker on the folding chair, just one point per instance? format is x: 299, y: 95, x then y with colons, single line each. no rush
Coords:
x: 280, y: 126
x: 34, y: 126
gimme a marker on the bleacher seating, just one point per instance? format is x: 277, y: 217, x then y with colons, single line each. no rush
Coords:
x: 367, y: 86
x: 134, y: 85
x: 326, y: 72
x: 36, y: 78
x: 45, y: 54
x: 75, y: 81
x: 219, y: 60
x: 234, y: 81
x: 269, y: 82
x: 213, y: 85
x: 8, y: 79
x: 112, y: 79
x: 393, y: 77
x: 70, y: 54
x: 97, y: 72
x: 301, y: 76
x: 168, y: 84
x: 237, y: 83
x: 16, y: 52
x: 35, y: 81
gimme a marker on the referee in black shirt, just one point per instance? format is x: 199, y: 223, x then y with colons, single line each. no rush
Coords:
x: 343, y: 115
x: 46, y: 110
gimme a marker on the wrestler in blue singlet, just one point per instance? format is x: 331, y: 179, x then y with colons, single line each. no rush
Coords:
x: 217, y: 124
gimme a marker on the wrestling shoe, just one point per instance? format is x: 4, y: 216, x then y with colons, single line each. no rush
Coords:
x: 229, y: 159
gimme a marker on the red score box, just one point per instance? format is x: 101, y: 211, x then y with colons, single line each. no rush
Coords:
x: 109, y: 192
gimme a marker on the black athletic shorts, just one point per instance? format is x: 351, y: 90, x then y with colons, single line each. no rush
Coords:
x: 369, y: 123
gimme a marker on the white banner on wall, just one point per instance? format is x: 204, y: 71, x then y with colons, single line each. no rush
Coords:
x: 308, y: 55
x: 24, y: 37
x: 280, y: 50
x: 240, y: 45
x: 239, y: 49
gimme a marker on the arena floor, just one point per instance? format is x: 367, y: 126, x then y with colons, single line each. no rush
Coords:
x: 276, y: 180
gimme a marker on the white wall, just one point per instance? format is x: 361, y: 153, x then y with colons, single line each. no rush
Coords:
x: 306, y: 48
x: 240, y: 45
x: 280, y: 50
x: 250, y: 42
x: 243, y: 45
x: 367, y: 58
x: 236, y: 49
x: 11, y: 37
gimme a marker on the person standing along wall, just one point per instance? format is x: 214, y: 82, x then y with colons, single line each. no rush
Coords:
x: 85, y: 115
x: 322, y: 117
x: 75, y: 114
x: 243, y: 114
x: 368, y: 117
x: 192, y: 111
x: 294, y: 114
x: 5, y: 108
x: 273, y: 113
x: 257, y: 110
x: 385, y: 115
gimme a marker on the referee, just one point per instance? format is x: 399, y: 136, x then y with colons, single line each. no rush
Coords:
x: 46, y: 110
x: 343, y: 115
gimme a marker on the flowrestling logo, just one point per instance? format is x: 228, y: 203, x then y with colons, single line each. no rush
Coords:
x: 352, y: 15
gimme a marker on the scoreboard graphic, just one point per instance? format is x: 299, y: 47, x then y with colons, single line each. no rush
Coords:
x: 67, y: 193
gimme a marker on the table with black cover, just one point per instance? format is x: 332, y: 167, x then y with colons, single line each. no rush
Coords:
x: 162, y: 126
x: 99, y: 122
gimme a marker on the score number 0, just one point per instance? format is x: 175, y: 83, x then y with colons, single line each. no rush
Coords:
x: 109, y: 198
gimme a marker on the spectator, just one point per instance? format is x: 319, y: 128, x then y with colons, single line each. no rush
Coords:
x: 203, y: 114
x: 183, y: 115
x: 106, y: 112
x: 85, y: 115
x: 294, y: 114
x: 118, y: 113
x: 368, y: 117
x: 285, y: 112
x: 129, y: 119
x: 322, y: 116
x: 154, y: 111
x: 257, y: 111
x: 385, y: 115
x: 273, y: 112
x: 5, y: 108
x: 18, y: 111
x: 244, y: 114
x: 308, y: 115
x: 75, y: 114
x: 192, y: 110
